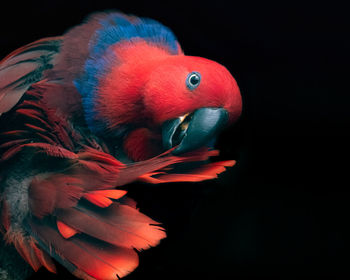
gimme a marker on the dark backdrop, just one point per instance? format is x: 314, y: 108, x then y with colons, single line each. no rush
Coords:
x: 285, y: 206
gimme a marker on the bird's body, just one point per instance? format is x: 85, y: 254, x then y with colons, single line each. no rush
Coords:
x: 112, y: 101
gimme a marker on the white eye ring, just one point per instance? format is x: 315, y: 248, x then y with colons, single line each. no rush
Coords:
x: 193, y: 80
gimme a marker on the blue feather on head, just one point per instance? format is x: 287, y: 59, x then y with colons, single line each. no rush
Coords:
x: 115, y: 28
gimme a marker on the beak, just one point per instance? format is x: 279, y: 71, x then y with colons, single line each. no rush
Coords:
x: 192, y: 131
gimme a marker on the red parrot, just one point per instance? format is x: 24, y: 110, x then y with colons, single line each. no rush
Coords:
x: 112, y: 101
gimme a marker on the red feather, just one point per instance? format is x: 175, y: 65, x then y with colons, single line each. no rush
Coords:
x: 57, y: 191
x: 118, y: 224
x: 98, y: 260
x: 25, y: 247
x: 98, y: 200
x: 27, y: 61
x: 65, y: 230
x: 44, y: 259
x: 206, y: 172
x: 101, y: 198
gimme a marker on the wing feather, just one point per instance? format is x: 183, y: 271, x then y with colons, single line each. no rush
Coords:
x: 24, y: 67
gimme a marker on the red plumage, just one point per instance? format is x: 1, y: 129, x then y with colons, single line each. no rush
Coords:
x: 80, y: 117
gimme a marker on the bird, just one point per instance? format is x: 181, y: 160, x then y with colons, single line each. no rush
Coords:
x: 112, y: 101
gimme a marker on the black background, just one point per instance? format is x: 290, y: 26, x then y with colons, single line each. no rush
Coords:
x: 283, y: 211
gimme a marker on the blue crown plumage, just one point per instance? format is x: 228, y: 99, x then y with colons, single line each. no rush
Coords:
x: 115, y: 28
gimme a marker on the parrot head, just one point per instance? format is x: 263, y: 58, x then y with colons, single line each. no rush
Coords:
x: 155, y: 97
x: 192, y: 99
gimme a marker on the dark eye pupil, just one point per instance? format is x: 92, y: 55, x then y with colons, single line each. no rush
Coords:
x: 194, y: 80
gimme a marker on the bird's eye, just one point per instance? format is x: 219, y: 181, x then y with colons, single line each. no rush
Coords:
x: 193, y: 80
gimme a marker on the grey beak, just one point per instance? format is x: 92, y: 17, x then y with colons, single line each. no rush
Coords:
x: 194, y: 131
